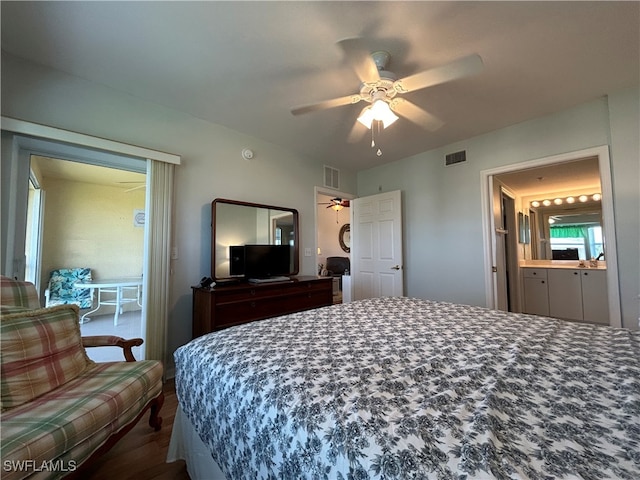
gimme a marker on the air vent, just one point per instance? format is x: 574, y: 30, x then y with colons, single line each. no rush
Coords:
x: 331, y: 177
x: 454, y: 158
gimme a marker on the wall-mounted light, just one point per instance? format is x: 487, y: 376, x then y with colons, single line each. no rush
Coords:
x: 596, y: 197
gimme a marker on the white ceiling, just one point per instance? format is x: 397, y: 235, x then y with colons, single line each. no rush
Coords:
x: 50, y: 168
x: 246, y: 64
x: 570, y: 177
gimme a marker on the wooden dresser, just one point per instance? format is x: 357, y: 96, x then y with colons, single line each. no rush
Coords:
x: 224, y: 306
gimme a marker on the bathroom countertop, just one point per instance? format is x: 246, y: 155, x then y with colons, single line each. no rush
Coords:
x: 572, y: 264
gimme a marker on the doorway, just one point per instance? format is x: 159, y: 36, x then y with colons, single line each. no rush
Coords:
x: 333, y: 247
x: 20, y: 139
x: 88, y: 216
x: 568, y: 163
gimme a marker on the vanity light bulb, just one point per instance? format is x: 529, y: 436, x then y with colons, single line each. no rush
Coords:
x: 535, y: 203
x: 558, y: 201
x: 570, y: 200
x: 597, y: 197
x: 583, y: 198
x: 546, y: 203
x: 551, y: 221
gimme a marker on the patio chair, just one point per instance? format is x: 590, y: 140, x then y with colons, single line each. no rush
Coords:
x: 62, y: 289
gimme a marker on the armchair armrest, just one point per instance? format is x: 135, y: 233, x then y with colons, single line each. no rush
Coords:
x: 113, y: 341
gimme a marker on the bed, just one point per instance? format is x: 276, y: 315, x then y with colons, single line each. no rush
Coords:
x: 400, y: 388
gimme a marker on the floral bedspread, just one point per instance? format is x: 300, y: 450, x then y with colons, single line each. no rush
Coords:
x: 399, y: 388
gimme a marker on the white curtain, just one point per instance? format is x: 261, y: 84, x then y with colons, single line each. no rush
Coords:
x: 158, y: 236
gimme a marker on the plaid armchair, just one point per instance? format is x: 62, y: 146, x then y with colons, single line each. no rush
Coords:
x: 58, y: 406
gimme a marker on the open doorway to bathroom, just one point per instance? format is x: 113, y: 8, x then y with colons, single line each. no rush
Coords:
x: 563, y: 204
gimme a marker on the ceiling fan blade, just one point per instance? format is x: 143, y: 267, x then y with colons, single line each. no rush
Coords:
x: 357, y: 132
x: 359, y: 57
x: 336, y: 102
x: 463, y: 67
x: 415, y: 114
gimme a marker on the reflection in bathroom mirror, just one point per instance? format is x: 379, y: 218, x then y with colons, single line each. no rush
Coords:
x: 572, y: 236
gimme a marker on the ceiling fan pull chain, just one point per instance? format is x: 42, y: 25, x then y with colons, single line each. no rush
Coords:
x: 377, y: 128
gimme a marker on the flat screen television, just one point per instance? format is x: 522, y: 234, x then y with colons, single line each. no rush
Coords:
x: 260, y: 261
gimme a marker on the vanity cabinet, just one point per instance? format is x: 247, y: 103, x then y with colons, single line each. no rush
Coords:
x: 536, y: 291
x: 567, y: 293
x: 595, y: 301
x: 225, y: 306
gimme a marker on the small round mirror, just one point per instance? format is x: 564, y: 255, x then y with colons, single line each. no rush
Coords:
x: 344, y: 237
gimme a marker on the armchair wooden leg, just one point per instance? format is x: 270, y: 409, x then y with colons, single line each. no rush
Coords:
x: 155, y: 420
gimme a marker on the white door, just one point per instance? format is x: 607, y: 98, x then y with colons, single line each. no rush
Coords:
x: 499, y: 248
x: 376, y: 239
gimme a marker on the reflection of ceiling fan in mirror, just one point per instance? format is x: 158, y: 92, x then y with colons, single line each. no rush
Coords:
x: 383, y: 90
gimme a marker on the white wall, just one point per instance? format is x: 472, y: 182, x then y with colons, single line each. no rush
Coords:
x: 442, y: 207
x: 212, y: 165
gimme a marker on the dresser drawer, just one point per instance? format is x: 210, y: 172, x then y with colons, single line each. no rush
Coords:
x: 226, y: 306
x: 252, y: 292
x: 534, y: 273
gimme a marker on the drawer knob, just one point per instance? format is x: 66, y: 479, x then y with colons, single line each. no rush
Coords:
x: 253, y: 292
x: 253, y: 304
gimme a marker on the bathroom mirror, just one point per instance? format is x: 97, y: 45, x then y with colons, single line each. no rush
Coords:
x: 570, y: 234
x: 236, y: 223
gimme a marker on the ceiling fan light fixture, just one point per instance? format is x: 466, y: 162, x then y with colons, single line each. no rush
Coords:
x: 380, y: 111
x: 337, y: 207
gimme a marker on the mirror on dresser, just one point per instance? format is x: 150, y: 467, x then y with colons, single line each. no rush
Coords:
x: 236, y: 223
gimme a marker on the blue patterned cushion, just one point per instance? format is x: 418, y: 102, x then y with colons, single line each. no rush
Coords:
x: 62, y: 290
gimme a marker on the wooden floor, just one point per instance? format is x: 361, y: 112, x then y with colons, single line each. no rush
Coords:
x: 141, y: 453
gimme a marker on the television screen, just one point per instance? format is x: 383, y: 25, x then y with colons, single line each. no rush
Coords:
x: 262, y: 261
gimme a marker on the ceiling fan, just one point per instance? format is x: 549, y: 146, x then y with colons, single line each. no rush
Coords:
x: 383, y: 90
x: 336, y: 203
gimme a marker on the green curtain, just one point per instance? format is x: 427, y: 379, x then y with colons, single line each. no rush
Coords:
x: 570, y: 231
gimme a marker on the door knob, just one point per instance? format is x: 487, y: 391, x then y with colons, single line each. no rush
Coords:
x: 395, y: 267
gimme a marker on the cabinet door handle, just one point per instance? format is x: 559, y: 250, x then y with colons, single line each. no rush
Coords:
x: 586, y: 273
x: 535, y: 273
x: 542, y: 281
x: 575, y: 273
